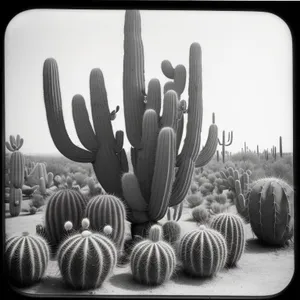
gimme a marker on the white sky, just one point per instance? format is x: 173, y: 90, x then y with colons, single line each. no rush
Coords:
x: 247, y: 69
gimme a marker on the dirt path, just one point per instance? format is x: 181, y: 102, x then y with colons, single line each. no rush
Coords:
x: 261, y: 271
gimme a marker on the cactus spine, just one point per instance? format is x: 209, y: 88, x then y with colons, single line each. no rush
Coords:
x: 86, y: 259
x: 225, y: 144
x: 105, y: 210
x: 271, y: 210
x: 63, y: 205
x: 16, y: 175
x: 26, y: 257
x: 203, y: 252
x: 152, y: 260
x: 232, y: 228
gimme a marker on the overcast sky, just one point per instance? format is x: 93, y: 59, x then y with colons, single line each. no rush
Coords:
x: 247, y: 69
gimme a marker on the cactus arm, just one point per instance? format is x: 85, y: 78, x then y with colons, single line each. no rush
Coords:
x: 179, y: 132
x: 9, y: 147
x: 133, y: 77
x: 210, y: 147
x: 100, y: 109
x: 170, y: 110
x: 82, y: 124
x: 154, y: 96
x: 133, y: 155
x: 167, y: 69
x: 119, y: 141
x: 146, y: 156
x: 123, y: 161
x: 132, y: 193
x: 53, y: 105
x: 230, y: 138
x: 190, y: 150
x: 164, y: 172
x: 13, y: 141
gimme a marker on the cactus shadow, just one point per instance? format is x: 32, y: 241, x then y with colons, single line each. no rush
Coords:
x: 182, y: 278
x: 254, y: 245
x: 126, y: 281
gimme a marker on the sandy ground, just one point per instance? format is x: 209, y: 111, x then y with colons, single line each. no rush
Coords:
x: 261, y: 271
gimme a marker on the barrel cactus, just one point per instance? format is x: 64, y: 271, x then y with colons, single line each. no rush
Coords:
x: 231, y: 226
x: 171, y: 231
x: 105, y: 210
x: 152, y: 260
x: 64, y: 205
x: 271, y: 210
x: 86, y: 258
x: 203, y: 252
x: 26, y: 258
x: 16, y: 174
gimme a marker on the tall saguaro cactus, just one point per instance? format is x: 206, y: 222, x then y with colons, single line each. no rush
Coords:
x: 225, y: 144
x: 104, y: 150
x: 16, y: 175
x: 280, y: 146
x: 162, y: 175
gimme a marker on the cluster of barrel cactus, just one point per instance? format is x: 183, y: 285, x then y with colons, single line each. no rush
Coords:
x: 162, y: 175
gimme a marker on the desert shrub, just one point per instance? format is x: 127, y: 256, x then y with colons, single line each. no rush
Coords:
x: 206, y: 188
x: 194, y: 188
x: 201, y: 180
x: 200, y: 214
x: 194, y: 200
x: 80, y: 178
x: 211, y: 178
x: 220, y: 198
x: 248, y: 156
x: 214, y: 165
x: 217, y: 207
x: 230, y: 196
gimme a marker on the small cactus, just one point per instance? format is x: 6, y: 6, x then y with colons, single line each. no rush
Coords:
x: 86, y: 259
x: 171, y: 231
x: 26, y: 258
x: 203, y: 252
x: 153, y: 260
x: 231, y: 226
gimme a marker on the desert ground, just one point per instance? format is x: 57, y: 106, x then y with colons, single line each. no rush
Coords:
x: 261, y: 271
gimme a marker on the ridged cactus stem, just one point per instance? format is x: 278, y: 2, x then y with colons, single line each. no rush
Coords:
x: 133, y: 77
x: 280, y: 146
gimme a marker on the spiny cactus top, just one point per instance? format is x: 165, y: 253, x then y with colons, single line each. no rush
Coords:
x: 203, y: 252
x: 87, y: 258
x: 231, y: 226
x: 26, y: 257
x: 153, y: 260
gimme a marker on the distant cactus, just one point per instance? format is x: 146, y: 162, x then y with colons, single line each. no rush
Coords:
x: 194, y: 200
x: 105, y: 210
x: 177, y: 212
x: 231, y: 226
x: 64, y: 205
x: 280, y: 146
x: 203, y: 252
x: 86, y: 259
x: 271, y: 210
x: 152, y: 260
x: 26, y: 258
x: 224, y: 143
x: 16, y: 174
x: 171, y: 231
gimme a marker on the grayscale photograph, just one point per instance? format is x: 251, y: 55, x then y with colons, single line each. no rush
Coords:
x: 148, y: 152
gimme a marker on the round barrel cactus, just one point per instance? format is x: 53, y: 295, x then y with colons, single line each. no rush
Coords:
x: 203, y: 252
x: 231, y: 226
x: 153, y: 260
x: 271, y: 210
x: 104, y: 210
x: 86, y: 258
x: 26, y: 258
x: 64, y: 205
